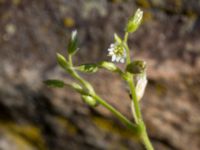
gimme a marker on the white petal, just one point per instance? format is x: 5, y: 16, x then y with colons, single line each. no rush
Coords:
x: 124, y: 53
x: 111, y: 49
x: 122, y: 60
x: 113, y: 58
x: 112, y: 45
x: 140, y: 86
x: 118, y: 58
x: 111, y: 53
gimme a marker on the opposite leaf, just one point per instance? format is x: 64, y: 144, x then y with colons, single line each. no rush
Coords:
x: 55, y: 83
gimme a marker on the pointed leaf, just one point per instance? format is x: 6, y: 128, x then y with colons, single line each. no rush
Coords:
x: 55, y: 83
x: 117, y: 38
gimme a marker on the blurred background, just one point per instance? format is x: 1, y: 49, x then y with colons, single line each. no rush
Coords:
x: 34, y: 117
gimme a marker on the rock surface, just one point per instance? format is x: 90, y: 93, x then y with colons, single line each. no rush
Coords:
x: 34, y: 117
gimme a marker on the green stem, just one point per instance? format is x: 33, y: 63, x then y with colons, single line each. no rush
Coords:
x: 137, y: 112
x: 121, y: 117
x: 138, y: 118
x: 146, y: 141
x: 135, y: 99
x: 70, y: 60
x: 75, y: 75
x: 84, y: 83
x: 131, y: 83
x: 128, y: 59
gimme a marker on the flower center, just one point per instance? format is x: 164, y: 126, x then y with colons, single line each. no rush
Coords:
x: 119, y: 50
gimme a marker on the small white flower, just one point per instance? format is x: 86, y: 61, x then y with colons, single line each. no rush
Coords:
x: 141, y: 82
x: 117, y: 52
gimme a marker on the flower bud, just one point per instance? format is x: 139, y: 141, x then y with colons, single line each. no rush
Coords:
x: 77, y: 87
x: 72, y: 46
x: 135, y: 21
x: 89, y: 100
x: 141, y: 82
x: 62, y: 61
x: 136, y: 67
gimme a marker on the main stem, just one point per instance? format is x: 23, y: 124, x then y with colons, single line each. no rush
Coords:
x: 138, y: 116
x: 146, y: 141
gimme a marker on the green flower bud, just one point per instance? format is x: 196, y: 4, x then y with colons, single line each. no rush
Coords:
x: 62, y: 61
x: 135, y: 21
x: 88, y: 68
x: 89, y: 100
x: 136, y: 67
x: 77, y: 87
x: 72, y: 46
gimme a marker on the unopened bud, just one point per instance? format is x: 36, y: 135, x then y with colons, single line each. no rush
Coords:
x: 136, y: 67
x: 89, y: 100
x: 141, y: 83
x: 135, y: 21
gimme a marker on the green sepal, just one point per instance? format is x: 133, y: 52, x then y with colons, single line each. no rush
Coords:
x: 73, y: 42
x: 117, y: 38
x: 136, y: 67
x: 135, y: 21
x: 55, y: 83
x: 89, y: 100
x: 62, y: 61
x: 87, y: 68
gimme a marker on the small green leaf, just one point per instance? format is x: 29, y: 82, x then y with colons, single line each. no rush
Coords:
x: 135, y: 21
x: 109, y: 66
x: 55, y: 83
x: 88, y: 68
x: 72, y: 46
x: 89, y: 100
x: 136, y: 67
x: 62, y: 61
x: 117, y: 38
